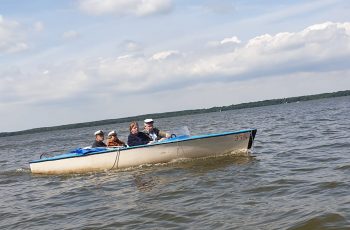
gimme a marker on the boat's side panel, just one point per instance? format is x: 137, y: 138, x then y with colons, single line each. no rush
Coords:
x: 87, y: 163
x: 149, y: 155
x: 214, y: 146
x: 195, y: 148
x: 157, y: 153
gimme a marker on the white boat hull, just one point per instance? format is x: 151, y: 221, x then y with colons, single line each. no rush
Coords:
x: 192, y: 147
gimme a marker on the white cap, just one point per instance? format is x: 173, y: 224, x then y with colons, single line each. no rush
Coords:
x: 99, y: 132
x: 111, y: 133
x: 149, y: 120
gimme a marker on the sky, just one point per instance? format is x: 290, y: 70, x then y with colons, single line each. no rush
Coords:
x: 71, y: 61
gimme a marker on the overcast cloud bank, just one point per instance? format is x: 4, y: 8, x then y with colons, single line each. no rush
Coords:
x: 72, y: 61
x: 319, y: 48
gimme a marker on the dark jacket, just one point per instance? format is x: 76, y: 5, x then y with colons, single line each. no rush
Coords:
x: 98, y: 144
x: 138, y: 139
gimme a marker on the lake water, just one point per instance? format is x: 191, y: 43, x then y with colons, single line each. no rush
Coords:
x: 298, y: 178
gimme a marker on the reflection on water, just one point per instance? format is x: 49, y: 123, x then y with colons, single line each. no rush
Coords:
x: 325, y: 221
x: 212, y: 163
x: 145, y: 182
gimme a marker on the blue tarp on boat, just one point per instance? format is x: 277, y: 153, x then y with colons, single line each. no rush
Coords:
x: 73, y: 153
x: 83, y: 151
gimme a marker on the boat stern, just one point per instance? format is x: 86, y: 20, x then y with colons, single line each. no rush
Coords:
x: 252, y: 137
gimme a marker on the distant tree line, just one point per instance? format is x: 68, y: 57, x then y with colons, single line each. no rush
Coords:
x: 182, y: 113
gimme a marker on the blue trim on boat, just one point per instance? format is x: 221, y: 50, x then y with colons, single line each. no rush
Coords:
x: 168, y: 141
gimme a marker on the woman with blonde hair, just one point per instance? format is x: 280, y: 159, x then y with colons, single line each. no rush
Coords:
x: 135, y: 137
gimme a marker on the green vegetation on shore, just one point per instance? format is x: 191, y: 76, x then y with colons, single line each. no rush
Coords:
x: 184, y: 112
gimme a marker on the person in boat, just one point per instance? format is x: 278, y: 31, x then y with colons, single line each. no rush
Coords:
x: 113, y: 140
x: 154, y: 133
x: 137, y: 138
x: 99, y: 137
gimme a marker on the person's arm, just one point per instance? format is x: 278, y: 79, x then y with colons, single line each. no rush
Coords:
x: 144, y: 138
x: 163, y: 135
x: 121, y: 143
x: 97, y: 144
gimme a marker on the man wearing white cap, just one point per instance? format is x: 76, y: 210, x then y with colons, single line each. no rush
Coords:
x: 99, y: 137
x: 154, y: 133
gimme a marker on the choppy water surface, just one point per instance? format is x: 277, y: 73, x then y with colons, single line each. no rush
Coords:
x: 299, y: 177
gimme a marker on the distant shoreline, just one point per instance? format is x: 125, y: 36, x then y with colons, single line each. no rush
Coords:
x: 182, y: 113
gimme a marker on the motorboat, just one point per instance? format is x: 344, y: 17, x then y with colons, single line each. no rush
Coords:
x: 178, y: 147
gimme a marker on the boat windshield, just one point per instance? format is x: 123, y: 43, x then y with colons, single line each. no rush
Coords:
x: 181, y: 131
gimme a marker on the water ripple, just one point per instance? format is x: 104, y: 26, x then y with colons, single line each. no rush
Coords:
x: 298, y: 177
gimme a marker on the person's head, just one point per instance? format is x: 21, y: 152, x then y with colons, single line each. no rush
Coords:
x: 99, y: 135
x: 112, y: 135
x: 134, y: 127
x: 148, y: 124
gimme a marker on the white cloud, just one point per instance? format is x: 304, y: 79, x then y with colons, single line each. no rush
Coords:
x: 226, y: 43
x: 165, y: 55
x: 17, y: 47
x: 11, y: 37
x: 233, y: 39
x: 131, y: 46
x: 124, y: 56
x: 126, y: 7
x: 38, y: 26
x: 71, y: 34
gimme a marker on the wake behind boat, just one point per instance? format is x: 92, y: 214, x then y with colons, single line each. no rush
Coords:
x: 100, y: 159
